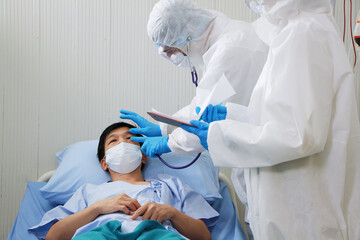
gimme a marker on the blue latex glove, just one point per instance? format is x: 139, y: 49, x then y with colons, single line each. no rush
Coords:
x: 146, y: 128
x: 213, y: 113
x: 153, y: 145
x: 201, y: 130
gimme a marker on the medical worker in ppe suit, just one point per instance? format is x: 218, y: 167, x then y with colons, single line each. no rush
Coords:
x: 299, y: 137
x: 189, y: 36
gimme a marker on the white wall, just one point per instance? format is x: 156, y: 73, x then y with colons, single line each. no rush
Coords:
x: 66, y: 68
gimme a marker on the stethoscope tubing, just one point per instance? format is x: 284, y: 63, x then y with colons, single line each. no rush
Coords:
x: 180, y: 167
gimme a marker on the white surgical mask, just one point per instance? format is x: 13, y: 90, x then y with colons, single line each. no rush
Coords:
x: 180, y: 60
x: 124, y: 157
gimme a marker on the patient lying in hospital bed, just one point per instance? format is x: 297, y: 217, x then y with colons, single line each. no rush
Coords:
x: 78, y: 165
x: 129, y: 199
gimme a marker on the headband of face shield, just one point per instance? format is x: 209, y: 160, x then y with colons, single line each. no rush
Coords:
x: 124, y: 157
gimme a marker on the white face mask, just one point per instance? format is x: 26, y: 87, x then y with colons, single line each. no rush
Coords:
x: 178, y: 58
x: 124, y: 157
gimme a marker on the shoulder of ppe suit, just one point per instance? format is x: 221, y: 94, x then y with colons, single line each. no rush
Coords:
x: 222, y: 58
x: 224, y: 53
x: 303, y: 31
x: 234, y: 34
x: 216, y: 27
x: 240, y: 36
x: 312, y: 24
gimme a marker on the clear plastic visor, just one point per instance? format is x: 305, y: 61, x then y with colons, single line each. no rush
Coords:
x: 167, y: 51
x: 254, y: 5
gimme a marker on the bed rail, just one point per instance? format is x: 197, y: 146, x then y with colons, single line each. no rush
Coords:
x: 46, y: 176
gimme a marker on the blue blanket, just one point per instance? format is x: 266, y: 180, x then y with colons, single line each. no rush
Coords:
x: 146, y: 230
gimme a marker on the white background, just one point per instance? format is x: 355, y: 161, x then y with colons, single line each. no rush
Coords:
x: 66, y: 69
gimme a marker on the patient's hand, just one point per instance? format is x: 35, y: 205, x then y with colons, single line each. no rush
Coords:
x: 186, y: 225
x: 121, y: 202
x: 154, y: 211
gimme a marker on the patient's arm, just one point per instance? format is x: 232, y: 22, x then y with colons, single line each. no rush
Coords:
x: 65, y: 228
x: 186, y: 225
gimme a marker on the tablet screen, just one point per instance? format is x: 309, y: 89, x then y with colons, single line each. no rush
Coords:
x: 167, y: 119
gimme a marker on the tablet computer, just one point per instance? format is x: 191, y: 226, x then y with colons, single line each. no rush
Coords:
x: 167, y: 119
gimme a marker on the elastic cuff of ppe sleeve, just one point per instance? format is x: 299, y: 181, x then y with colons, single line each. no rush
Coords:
x: 163, y: 129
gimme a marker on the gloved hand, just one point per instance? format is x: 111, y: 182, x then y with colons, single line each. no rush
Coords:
x: 201, y: 130
x: 153, y: 145
x: 213, y: 113
x: 146, y: 128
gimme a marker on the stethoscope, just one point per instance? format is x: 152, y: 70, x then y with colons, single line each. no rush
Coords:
x: 180, y: 167
x: 194, y: 75
x: 194, y: 78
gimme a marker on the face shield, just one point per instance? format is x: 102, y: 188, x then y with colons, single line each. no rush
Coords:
x: 254, y: 5
x: 174, y: 55
x: 178, y: 57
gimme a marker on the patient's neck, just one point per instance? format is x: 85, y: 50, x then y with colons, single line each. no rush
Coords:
x: 134, y: 177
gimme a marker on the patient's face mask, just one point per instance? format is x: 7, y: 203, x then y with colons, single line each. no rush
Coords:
x: 124, y: 157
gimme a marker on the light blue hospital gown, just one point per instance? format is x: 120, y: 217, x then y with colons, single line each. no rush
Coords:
x: 169, y: 190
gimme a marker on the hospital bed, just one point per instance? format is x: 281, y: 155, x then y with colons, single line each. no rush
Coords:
x: 35, y: 203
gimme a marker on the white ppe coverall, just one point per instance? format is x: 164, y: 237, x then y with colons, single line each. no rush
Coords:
x: 219, y: 46
x: 299, y: 137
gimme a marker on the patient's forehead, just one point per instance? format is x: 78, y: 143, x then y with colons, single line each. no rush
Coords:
x: 118, y: 132
x: 119, y: 135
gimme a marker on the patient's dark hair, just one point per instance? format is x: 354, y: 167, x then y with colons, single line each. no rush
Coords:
x: 106, y: 132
